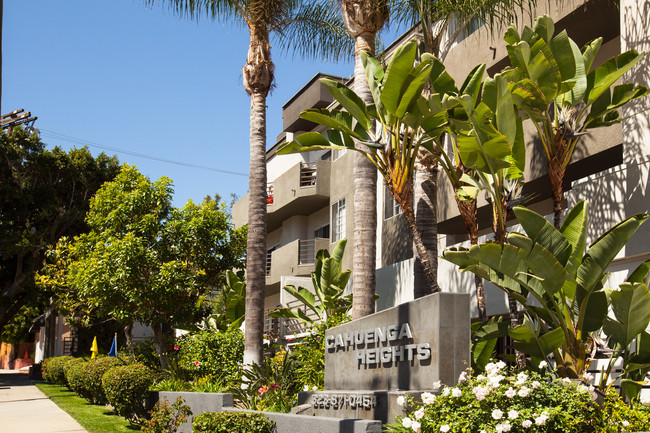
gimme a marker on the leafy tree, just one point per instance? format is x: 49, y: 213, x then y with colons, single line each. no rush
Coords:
x: 264, y: 17
x: 390, y: 131
x: 44, y: 195
x: 144, y: 260
x: 556, y: 87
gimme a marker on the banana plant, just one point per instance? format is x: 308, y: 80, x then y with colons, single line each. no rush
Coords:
x: 328, y: 299
x: 389, y: 132
x: 230, y: 304
x: 554, y: 85
x: 551, y: 267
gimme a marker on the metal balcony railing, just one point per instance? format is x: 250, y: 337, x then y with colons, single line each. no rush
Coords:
x: 293, y: 326
x: 307, y: 174
x: 268, y: 262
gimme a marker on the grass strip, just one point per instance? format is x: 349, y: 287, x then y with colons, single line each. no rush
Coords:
x: 94, y: 418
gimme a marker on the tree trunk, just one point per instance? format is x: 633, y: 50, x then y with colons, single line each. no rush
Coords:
x: 159, y: 344
x: 556, y: 176
x: 422, y: 252
x: 425, y: 192
x: 468, y: 212
x: 258, y: 77
x: 128, y: 333
x: 365, y: 202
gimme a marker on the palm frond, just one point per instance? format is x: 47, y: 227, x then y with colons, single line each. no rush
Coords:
x: 316, y: 30
x: 220, y: 10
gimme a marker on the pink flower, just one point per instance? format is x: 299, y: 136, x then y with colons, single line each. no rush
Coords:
x: 263, y: 389
x: 536, y: 384
x: 456, y: 392
x: 523, y: 392
x: 419, y: 414
x: 463, y: 377
x: 510, y: 393
x: 274, y: 386
x: 197, y: 363
x: 176, y: 348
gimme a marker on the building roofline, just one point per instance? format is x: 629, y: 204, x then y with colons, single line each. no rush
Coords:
x: 309, y: 83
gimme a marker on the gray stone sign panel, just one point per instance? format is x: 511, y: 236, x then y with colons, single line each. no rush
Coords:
x: 406, y: 347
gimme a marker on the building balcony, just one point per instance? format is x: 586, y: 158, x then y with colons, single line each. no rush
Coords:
x: 301, y: 190
x: 297, y: 258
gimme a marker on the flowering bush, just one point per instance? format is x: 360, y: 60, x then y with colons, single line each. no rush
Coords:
x: 502, y: 400
x: 215, y: 354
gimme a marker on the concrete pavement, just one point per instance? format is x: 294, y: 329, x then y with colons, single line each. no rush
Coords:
x: 23, y: 408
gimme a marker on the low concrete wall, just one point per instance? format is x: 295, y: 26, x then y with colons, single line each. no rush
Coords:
x: 199, y: 402
x: 290, y: 423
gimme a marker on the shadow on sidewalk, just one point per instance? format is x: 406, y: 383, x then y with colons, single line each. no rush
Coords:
x: 10, y: 379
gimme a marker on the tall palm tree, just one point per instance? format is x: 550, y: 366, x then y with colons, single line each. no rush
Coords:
x: 363, y: 20
x: 262, y: 17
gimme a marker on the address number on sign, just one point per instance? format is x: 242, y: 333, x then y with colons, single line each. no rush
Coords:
x: 344, y: 401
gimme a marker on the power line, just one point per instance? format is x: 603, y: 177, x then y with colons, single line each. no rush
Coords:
x: 68, y: 138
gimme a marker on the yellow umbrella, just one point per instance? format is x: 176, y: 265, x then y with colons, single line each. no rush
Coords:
x: 93, y: 348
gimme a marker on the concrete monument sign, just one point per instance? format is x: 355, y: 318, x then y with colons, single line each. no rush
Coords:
x: 404, y: 348
x: 407, y: 347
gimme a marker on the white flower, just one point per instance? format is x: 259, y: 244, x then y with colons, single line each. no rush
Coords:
x: 418, y: 414
x: 314, y: 388
x: 591, y: 388
x: 536, y: 384
x: 625, y: 423
x: 444, y: 428
x: 521, y: 377
x: 523, y: 391
x: 497, y: 414
x: 588, y: 377
x: 428, y: 398
x: 541, y: 420
x: 495, y: 380
x: 463, y: 377
x: 506, y: 426
x: 499, y: 428
x: 481, y: 392
x: 305, y: 388
x: 501, y: 365
x: 527, y: 423
x: 543, y: 365
x: 445, y: 391
x: 436, y: 385
x: 513, y: 414
x: 456, y: 392
x: 491, y: 368
x: 482, y: 431
x: 415, y: 426
x: 566, y: 380
x: 407, y: 422
x: 401, y: 400
x: 480, y: 377
x: 645, y: 400
x: 510, y: 393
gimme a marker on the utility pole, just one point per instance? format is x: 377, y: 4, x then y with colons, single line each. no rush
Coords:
x: 15, y: 118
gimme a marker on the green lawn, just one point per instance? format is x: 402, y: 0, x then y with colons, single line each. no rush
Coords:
x: 94, y: 418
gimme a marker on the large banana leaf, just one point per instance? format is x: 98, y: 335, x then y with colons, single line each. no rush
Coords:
x: 631, y: 307
x: 604, y: 250
x: 601, y: 79
x: 530, y: 340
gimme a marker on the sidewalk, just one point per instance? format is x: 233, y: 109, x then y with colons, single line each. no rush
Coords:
x: 23, y: 408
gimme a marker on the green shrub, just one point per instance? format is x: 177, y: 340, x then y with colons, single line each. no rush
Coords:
x: 228, y: 422
x: 75, y: 372
x: 144, y: 352
x: 165, y: 418
x: 126, y: 388
x: 92, y: 377
x: 215, y: 354
x: 53, y: 369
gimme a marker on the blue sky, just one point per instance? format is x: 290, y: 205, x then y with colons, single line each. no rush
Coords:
x: 121, y: 75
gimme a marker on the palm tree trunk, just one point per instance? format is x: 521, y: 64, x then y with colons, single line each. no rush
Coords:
x: 468, y: 212
x: 256, y: 243
x: 258, y: 76
x: 425, y: 192
x: 365, y: 202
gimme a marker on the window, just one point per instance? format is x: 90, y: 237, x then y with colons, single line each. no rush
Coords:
x: 337, y: 153
x: 322, y: 232
x: 338, y: 220
x: 391, y: 208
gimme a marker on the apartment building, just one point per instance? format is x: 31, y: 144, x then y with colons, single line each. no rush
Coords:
x: 310, y: 204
